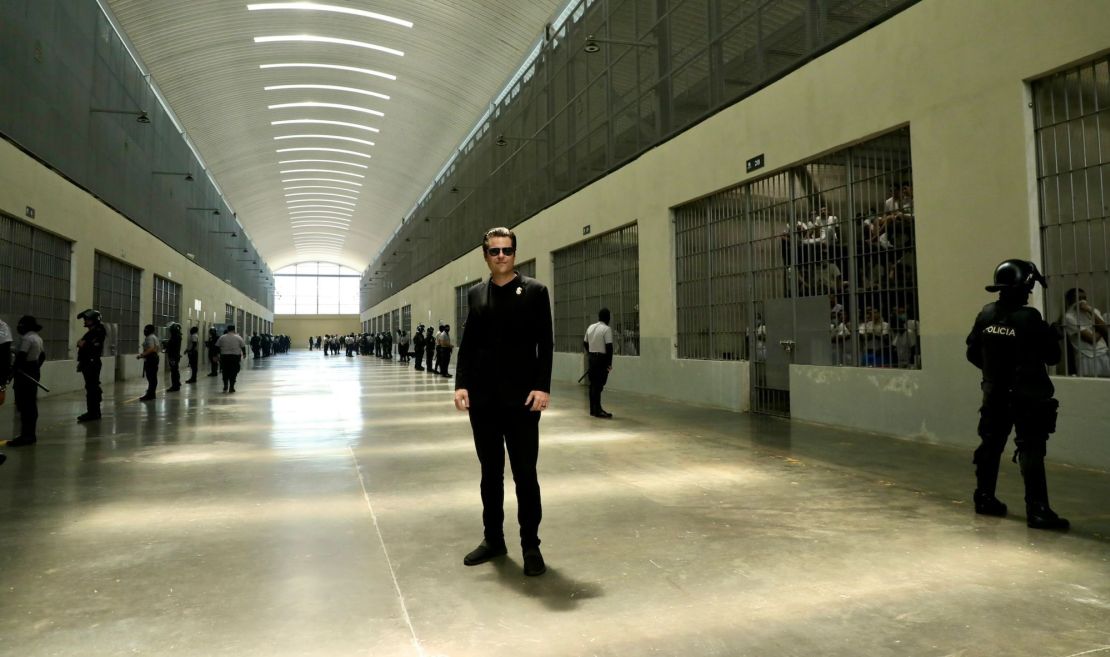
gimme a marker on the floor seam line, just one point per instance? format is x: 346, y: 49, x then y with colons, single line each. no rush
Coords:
x: 389, y: 562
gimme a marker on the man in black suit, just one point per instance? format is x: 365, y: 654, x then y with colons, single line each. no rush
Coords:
x: 503, y: 379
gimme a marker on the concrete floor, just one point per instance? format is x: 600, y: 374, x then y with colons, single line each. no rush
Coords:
x: 324, y: 509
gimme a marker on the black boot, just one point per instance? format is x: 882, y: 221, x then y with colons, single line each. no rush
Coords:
x: 1039, y: 515
x: 986, y: 478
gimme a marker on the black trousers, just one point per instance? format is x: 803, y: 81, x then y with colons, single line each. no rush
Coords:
x: 214, y: 359
x: 444, y: 360
x: 150, y: 371
x: 175, y: 371
x: 90, y: 370
x: 27, y: 403
x: 230, y: 365
x: 1032, y: 420
x: 498, y: 429
x: 194, y: 361
x: 598, y: 373
x: 429, y: 357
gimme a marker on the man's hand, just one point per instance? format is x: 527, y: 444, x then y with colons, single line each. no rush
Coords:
x: 462, y: 399
x: 537, y: 400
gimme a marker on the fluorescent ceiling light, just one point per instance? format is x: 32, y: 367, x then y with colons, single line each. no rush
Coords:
x: 361, y: 166
x: 319, y: 148
x: 298, y: 206
x: 320, y: 194
x: 311, y: 38
x: 338, y: 215
x: 318, y: 224
x: 325, y: 234
x: 350, y: 139
x: 341, y: 189
x: 314, y: 6
x: 352, y: 108
x: 339, y: 173
x: 325, y: 122
x: 328, y: 87
x: 337, y: 67
x: 334, y: 180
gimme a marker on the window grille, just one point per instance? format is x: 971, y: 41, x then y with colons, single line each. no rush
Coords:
x: 462, y: 309
x: 240, y: 320
x: 167, y: 302
x: 602, y: 272
x: 316, y: 288
x: 527, y: 268
x: 116, y: 289
x: 839, y: 227
x: 1072, y: 130
x: 395, y: 322
x: 229, y: 314
x: 34, y: 280
x: 406, y: 320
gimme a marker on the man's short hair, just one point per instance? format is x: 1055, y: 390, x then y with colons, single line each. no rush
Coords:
x: 1071, y: 296
x: 497, y: 232
x: 604, y: 315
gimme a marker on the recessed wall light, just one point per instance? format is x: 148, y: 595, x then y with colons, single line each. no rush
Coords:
x: 316, y: 6
x: 336, y: 67
x: 312, y: 38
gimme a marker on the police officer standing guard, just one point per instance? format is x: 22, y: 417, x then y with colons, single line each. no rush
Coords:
x: 149, y: 355
x: 598, y: 344
x: 418, y: 347
x: 29, y: 357
x: 173, y: 356
x: 89, y: 350
x: 1013, y: 346
x: 5, y: 366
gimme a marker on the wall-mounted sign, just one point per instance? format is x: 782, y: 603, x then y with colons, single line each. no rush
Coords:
x: 30, y: 212
x: 756, y: 162
x: 585, y: 230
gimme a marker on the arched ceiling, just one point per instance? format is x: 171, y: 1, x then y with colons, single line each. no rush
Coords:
x: 393, y: 87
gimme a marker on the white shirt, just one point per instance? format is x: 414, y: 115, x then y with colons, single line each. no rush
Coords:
x: 5, y: 333
x: 231, y: 344
x: 31, y: 344
x: 152, y: 342
x: 1076, y: 321
x: 597, y: 336
x: 872, y: 332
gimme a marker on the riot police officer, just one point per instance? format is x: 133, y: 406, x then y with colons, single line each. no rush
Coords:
x: 1013, y: 345
x: 89, y: 350
x: 173, y: 357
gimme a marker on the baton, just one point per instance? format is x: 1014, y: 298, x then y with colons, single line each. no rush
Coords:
x: 31, y: 378
x: 583, y: 376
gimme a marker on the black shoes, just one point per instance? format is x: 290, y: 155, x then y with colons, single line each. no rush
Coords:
x: 1038, y: 514
x: 484, y: 552
x: 602, y: 414
x: 88, y: 417
x: 173, y: 389
x: 1041, y: 516
x: 231, y: 389
x: 988, y: 505
x: 533, y: 562
x: 22, y: 442
x: 191, y: 381
x: 147, y: 398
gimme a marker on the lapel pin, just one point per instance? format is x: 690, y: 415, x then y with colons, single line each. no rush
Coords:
x: 519, y: 291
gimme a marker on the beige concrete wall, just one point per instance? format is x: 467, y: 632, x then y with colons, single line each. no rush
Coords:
x: 957, y: 74
x: 68, y: 211
x: 299, y: 327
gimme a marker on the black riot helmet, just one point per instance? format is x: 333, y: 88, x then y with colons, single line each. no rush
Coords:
x: 174, y: 327
x: 89, y: 315
x: 1016, y: 275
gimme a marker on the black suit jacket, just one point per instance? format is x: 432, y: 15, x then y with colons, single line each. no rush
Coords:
x: 502, y: 365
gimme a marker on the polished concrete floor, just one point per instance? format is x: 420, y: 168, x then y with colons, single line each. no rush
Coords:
x: 324, y: 509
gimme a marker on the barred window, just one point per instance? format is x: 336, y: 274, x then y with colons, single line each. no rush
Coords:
x: 1072, y: 130
x: 34, y: 280
x: 602, y: 272
x: 828, y: 247
x: 116, y: 289
x: 229, y: 314
x: 240, y: 320
x: 167, y: 302
x: 316, y: 288
x: 406, y: 320
x: 527, y: 268
x: 462, y: 309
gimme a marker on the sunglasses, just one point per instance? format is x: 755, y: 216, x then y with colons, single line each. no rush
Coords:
x: 498, y: 250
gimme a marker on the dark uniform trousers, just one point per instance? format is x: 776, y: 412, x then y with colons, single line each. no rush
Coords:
x: 194, y: 361
x: 430, y: 351
x: 443, y: 360
x: 150, y: 371
x: 26, y: 401
x: 498, y: 429
x: 598, y: 372
x: 175, y: 370
x: 230, y: 364
x: 90, y: 370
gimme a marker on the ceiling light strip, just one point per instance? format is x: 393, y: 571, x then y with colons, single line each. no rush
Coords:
x: 326, y: 87
x: 321, y: 148
x: 320, y: 194
x: 361, y: 166
x: 337, y: 214
x: 335, y: 67
x: 299, y: 206
x: 340, y: 189
x: 334, y: 180
x: 338, y: 173
x: 341, y: 106
x: 345, y: 124
x: 312, y: 38
x: 340, y: 138
x: 315, y: 6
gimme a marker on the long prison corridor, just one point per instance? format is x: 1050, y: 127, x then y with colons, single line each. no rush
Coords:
x: 324, y: 509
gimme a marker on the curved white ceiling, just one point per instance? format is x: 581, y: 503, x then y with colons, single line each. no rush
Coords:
x: 323, y: 122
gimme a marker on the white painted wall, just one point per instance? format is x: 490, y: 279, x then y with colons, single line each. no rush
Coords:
x: 957, y: 73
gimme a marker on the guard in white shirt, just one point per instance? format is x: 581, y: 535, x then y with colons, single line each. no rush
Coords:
x: 598, y: 344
